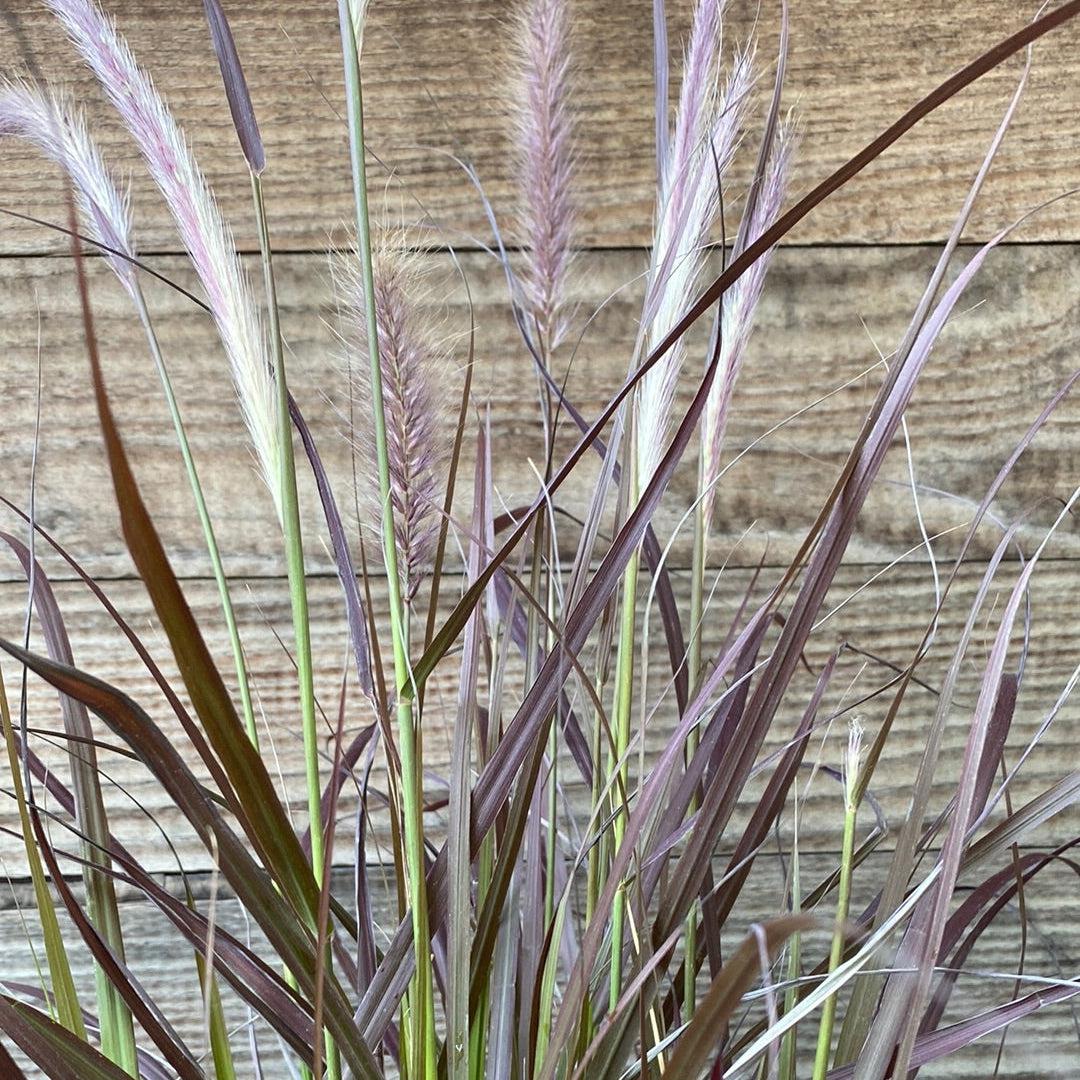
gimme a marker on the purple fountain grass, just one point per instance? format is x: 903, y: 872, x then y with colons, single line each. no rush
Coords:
x: 411, y: 358
x: 545, y: 137
x: 739, y: 306
x: 46, y: 119
x: 202, y: 229
x: 489, y: 961
x: 707, y: 131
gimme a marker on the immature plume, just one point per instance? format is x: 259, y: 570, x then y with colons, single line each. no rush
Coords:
x: 738, y: 309
x: 44, y: 118
x: 545, y: 150
x: 199, y: 223
x: 411, y: 360
x: 705, y: 137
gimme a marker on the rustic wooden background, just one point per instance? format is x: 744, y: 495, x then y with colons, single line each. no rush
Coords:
x: 842, y: 289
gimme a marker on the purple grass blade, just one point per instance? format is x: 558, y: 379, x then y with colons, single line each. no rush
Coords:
x: 1006, y: 883
x: 459, y: 858
x: 55, y: 1050
x: 89, y: 806
x: 150, y: 1067
x: 956, y: 1037
x: 906, y: 994
x: 978, y: 67
x: 253, y: 886
x: 354, y: 606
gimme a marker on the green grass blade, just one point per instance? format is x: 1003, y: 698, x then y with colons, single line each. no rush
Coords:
x: 62, y: 983
x: 117, y: 1029
x: 209, y: 537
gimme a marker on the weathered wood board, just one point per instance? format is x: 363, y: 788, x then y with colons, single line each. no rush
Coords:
x: 436, y: 78
x: 1040, y: 1046
x: 1009, y: 348
x: 886, y: 618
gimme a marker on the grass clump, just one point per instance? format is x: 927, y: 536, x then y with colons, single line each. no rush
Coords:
x: 580, y: 895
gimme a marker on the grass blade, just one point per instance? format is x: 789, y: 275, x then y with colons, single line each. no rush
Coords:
x: 698, y: 1042
x: 55, y: 1050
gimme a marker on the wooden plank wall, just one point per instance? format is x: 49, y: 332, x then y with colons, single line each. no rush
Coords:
x: 841, y: 292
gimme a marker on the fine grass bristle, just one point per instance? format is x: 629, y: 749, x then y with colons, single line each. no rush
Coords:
x: 546, y: 161
x: 570, y: 852
x: 203, y: 231
x: 414, y: 365
x: 44, y: 116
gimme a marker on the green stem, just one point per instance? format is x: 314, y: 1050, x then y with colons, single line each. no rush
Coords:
x: 204, y: 516
x: 294, y: 559
x: 786, y: 1069
x: 422, y: 1063
x: 828, y: 1012
x: 624, y: 694
x: 64, y: 992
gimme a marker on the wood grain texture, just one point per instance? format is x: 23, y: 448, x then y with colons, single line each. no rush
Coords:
x: 1040, y: 1047
x: 1011, y: 345
x: 436, y: 83
x: 886, y: 617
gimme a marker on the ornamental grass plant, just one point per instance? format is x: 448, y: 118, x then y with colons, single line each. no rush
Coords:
x: 606, y: 877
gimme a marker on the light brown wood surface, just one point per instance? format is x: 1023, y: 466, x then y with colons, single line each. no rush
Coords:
x: 1043, y: 1046
x: 436, y: 82
x: 824, y: 316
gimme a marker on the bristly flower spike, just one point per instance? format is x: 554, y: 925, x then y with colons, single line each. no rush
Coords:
x: 43, y: 117
x: 545, y: 149
x: 411, y: 359
x: 199, y: 223
x: 738, y: 310
x: 706, y: 136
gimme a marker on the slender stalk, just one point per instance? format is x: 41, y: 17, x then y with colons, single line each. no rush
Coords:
x: 624, y: 693
x: 693, y: 661
x: 421, y: 1061
x: 843, y: 899
x: 204, y: 515
x: 294, y: 558
x: 786, y: 1069
x: 64, y: 993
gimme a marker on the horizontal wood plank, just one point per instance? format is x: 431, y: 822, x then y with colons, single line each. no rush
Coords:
x: 885, y: 617
x: 823, y: 318
x: 1040, y: 1047
x: 436, y: 84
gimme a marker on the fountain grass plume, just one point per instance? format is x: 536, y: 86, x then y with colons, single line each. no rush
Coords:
x: 706, y: 136
x: 202, y: 229
x: 411, y: 357
x: 46, y: 118
x: 545, y: 151
x: 738, y: 310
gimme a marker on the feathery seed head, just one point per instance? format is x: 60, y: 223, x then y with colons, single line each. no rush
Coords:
x: 199, y: 223
x: 739, y: 307
x: 44, y: 118
x: 853, y: 762
x: 545, y: 136
x: 412, y: 359
x: 707, y: 132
